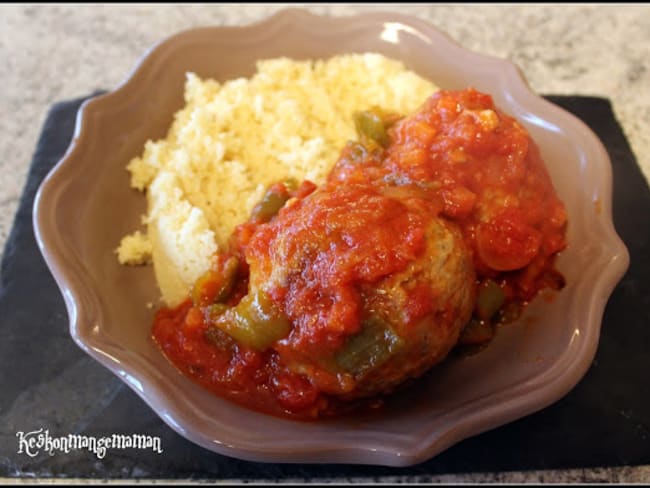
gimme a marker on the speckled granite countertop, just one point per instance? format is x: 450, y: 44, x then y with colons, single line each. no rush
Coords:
x: 57, y: 52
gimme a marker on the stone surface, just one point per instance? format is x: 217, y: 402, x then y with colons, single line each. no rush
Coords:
x: 57, y: 52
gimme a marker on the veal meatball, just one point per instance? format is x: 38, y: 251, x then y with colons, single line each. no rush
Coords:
x: 443, y: 274
x: 376, y: 288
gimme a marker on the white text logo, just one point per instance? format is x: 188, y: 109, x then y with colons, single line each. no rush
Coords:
x: 32, y: 443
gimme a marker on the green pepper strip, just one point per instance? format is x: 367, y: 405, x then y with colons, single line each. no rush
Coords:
x: 254, y: 322
x: 369, y: 125
x: 226, y: 276
x: 490, y: 299
x: 370, y: 348
x: 269, y: 206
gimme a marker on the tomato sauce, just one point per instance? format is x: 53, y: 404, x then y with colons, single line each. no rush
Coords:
x: 458, y: 157
x: 356, y: 235
x: 491, y: 178
x: 240, y: 374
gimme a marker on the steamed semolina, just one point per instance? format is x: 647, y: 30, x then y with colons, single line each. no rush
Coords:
x: 231, y: 140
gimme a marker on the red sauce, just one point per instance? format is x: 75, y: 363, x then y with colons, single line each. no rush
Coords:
x: 492, y: 180
x: 459, y: 157
x: 356, y: 235
x: 241, y: 374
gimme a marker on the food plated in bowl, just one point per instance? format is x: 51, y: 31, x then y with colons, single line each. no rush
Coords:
x: 528, y: 365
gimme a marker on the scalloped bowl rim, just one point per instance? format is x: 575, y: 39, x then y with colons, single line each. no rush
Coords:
x: 371, y: 447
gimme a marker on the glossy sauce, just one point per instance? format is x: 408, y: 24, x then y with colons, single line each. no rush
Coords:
x: 458, y: 157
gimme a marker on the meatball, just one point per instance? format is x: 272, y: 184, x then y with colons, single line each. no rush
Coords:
x: 374, y: 286
x: 443, y: 274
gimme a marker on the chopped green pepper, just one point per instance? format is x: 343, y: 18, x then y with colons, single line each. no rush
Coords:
x: 216, y: 284
x: 229, y: 276
x: 254, y: 322
x: 269, y: 206
x: 371, y: 347
x: 370, y: 125
x: 489, y: 300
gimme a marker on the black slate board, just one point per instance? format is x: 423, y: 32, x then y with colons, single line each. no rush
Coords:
x: 47, y: 382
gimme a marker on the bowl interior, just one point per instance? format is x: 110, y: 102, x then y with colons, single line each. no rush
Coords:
x: 530, y: 364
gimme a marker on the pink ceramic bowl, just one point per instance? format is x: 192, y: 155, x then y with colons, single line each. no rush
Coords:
x: 85, y: 206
